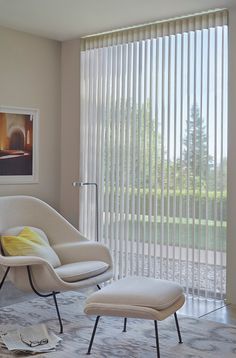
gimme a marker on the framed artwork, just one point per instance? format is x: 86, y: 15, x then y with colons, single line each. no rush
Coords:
x: 18, y: 145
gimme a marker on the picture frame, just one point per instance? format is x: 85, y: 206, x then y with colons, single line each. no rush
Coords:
x: 19, y: 145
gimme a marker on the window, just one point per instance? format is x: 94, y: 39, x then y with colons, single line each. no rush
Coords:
x: 154, y: 138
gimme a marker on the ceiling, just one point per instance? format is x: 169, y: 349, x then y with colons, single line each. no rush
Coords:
x: 66, y: 19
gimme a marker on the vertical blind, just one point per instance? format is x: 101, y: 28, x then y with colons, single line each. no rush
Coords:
x: 153, y: 136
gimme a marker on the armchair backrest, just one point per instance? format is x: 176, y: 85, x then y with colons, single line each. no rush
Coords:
x: 30, y: 211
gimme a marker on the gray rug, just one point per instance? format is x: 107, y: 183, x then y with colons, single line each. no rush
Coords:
x: 201, y: 338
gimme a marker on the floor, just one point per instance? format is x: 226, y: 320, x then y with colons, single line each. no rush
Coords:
x: 217, y: 311
x: 201, y: 308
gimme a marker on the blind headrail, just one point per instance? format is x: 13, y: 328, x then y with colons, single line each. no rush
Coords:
x: 199, y: 21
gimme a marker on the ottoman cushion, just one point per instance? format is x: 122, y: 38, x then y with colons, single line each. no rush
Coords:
x: 139, y: 291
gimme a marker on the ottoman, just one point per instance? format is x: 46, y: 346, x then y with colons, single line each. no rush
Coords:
x: 137, y: 297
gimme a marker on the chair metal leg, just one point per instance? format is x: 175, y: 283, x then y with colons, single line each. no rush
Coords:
x: 46, y: 295
x: 93, y: 335
x: 125, y: 324
x: 177, y: 326
x: 4, y: 277
x: 58, y: 313
x: 157, y: 339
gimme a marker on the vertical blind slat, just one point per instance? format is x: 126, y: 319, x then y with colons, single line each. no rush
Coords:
x: 215, y: 157
x: 168, y: 98
x: 116, y: 184
x: 156, y: 186
x: 122, y: 173
x: 174, y: 239
x: 107, y: 218
x: 150, y: 213
x: 127, y: 155
x: 102, y: 181
x: 181, y: 158
x: 144, y: 159
x: 194, y: 160
x: 112, y: 161
x: 221, y: 158
x: 133, y: 157
x: 89, y: 148
x: 140, y: 86
x: 188, y: 164
x: 98, y: 163
x: 207, y: 169
x: 163, y: 110
x: 200, y: 165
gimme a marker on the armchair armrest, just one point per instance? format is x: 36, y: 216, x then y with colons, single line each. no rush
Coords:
x: 83, y: 251
x: 53, y: 281
x: 15, y: 261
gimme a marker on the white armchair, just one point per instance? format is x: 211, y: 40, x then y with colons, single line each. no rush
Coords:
x: 83, y: 263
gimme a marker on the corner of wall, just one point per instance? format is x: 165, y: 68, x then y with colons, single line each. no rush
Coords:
x: 70, y: 112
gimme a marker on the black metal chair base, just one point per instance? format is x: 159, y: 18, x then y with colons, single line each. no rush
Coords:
x: 177, y: 327
x: 93, y: 335
x: 125, y: 324
x: 53, y: 294
x: 4, y: 277
x: 124, y: 330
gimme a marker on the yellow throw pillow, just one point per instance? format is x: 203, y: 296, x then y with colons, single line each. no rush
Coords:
x: 29, y: 243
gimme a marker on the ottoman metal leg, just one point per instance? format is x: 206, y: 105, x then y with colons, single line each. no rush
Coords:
x: 177, y: 326
x: 93, y: 335
x: 157, y: 339
x: 125, y: 324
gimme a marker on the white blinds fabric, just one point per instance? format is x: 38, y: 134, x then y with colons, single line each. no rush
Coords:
x: 154, y: 138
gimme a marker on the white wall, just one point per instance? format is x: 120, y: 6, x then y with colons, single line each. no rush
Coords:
x: 30, y: 77
x: 69, y: 199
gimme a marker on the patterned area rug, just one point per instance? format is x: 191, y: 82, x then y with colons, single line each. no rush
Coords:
x: 201, y: 338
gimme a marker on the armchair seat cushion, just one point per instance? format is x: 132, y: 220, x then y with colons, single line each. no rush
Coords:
x: 81, y: 270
